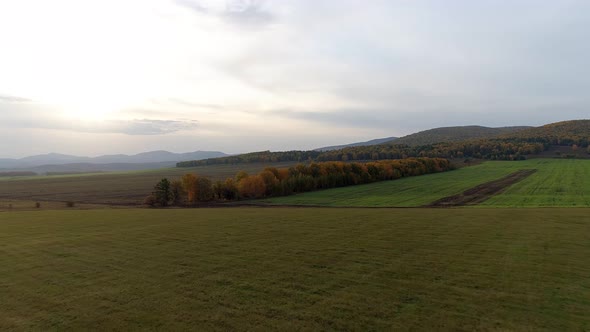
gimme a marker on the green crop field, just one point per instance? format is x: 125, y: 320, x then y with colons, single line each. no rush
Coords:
x: 121, y: 188
x: 558, y: 182
x: 296, y: 269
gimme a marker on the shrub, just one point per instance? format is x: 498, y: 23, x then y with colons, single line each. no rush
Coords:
x: 150, y: 201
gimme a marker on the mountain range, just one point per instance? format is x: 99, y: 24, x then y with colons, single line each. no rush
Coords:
x: 56, y: 162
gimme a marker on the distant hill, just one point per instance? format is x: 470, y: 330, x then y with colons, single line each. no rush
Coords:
x: 146, y: 160
x: 371, y: 142
x: 558, y: 133
x: 505, y: 143
x: 454, y: 134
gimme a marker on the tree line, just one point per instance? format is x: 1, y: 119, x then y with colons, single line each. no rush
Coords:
x: 492, y: 149
x: 515, y: 145
x: 192, y: 189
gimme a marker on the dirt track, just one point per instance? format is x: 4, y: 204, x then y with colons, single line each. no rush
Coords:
x: 483, y: 191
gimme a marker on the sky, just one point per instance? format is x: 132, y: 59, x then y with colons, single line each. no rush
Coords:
x: 92, y: 77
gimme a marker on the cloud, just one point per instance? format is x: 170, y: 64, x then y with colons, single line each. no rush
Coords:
x: 280, y: 68
x: 13, y: 99
x: 191, y: 104
x: 343, y: 118
x: 248, y: 12
x: 148, y: 127
x: 192, y: 5
x: 22, y: 115
x: 239, y: 12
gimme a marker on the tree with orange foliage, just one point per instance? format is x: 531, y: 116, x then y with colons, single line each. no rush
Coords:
x: 270, y: 181
x: 204, y: 189
x: 252, y: 187
x: 283, y: 174
x: 189, y: 184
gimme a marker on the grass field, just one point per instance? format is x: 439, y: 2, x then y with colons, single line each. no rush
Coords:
x: 121, y: 188
x: 296, y: 269
x: 558, y: 182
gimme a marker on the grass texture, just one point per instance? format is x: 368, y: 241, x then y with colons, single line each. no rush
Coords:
x: 296, y: 269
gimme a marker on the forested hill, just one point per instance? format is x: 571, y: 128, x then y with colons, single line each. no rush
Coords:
x: 371, y: 142
x: 558, y: 133
x: 510, y: 144
x: 454, y: 134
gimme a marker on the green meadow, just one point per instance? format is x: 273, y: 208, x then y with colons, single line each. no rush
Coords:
x: 296, y: 269
x: 557, y: 183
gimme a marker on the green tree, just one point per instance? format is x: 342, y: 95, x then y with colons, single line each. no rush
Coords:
x: 204, y: 189
x: 176, y: 192
x: 218, y: 189
x: 162, y: 192
x: 230, y: 189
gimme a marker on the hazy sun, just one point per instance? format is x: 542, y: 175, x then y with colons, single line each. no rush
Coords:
x: 88, y: 109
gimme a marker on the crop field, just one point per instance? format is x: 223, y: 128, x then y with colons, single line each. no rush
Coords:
x: 296, y: 269
x: 121, y: 188
x: 557, y: 182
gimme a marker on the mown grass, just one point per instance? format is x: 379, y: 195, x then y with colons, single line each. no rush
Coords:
x: 296, y: 269
x: 558, y: 182
x: 120, y: 188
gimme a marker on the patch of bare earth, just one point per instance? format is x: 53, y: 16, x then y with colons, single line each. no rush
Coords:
x: 482, y: 192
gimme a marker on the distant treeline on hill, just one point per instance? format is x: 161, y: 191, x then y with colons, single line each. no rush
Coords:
x: 255, y: 157
x: 497, y: 149
x: 286, y: 181
x: 515, y: 145
x: 566, y: 133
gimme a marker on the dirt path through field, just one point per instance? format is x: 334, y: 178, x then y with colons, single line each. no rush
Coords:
x: 483, y: 191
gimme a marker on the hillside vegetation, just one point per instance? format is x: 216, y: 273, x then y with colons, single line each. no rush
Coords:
x: 560, y: 133
x: 454, y: 134
x: 508, y: 143
x: 371, y: 142
x: 494, y: 149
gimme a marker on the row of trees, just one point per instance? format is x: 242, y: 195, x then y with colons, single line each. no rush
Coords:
x: 191, y: 188
x: 480, y: 148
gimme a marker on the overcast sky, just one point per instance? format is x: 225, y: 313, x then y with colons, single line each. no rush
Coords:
x: 126, y: 76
